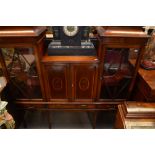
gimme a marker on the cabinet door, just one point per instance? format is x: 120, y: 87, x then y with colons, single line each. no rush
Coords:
x: 57, y: 82
x: 118, y: 72
x: 19, y: 66
x: 84, y: 81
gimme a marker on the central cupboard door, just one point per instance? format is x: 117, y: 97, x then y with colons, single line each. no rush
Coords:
x: 84, y: 78
x: 57, y: 76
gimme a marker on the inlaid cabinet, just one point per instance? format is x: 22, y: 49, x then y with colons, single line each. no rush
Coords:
x: 86, y: 82
x: 74, y: 81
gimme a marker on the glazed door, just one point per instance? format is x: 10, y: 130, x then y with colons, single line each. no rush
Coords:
x: 56, y: 81
x: 22, y: 73
x: 84, y: 81
x: 118, y: 66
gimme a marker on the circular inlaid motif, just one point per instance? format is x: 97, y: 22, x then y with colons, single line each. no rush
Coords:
x: 84, y: 83
x: 57, y: 83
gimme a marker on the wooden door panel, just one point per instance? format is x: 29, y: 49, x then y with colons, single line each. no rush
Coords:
x: 57, y: 81
x: 84, y: 81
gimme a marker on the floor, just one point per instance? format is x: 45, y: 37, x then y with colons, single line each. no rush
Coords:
x: 68, y: 120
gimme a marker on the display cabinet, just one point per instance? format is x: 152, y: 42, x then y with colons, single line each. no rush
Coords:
x: 93, y: 79
x: 120, y: 52
x: 21, y: 50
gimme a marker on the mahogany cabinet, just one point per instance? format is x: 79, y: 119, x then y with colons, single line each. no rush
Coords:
x: 120, y: 51
x: 21, y: 49
x: 36, y: 76
x: 70, y: 81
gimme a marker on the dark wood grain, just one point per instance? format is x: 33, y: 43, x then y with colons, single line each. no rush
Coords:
x: 19, y: 31
x: 69, y: 59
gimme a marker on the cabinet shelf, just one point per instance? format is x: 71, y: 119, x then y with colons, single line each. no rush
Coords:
x: 69, y: 59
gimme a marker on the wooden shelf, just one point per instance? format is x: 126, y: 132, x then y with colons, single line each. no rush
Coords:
x: 69, y: 59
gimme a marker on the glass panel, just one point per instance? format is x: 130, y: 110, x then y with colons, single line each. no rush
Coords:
x: 21, y: 66
x: 118, y: 72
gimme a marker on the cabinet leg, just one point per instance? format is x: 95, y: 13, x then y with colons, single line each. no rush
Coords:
x: 49, y: 120
x: 24, y: 120
x: 25, y: 123
x: 93, y: 118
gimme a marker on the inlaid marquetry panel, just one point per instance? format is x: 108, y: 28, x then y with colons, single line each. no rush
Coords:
x: 84, y: 81
x: 57, y: 81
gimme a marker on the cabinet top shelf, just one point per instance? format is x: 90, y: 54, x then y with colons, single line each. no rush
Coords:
x: 21, y: 31
x: 121, y: 31
x: 69, y: 59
